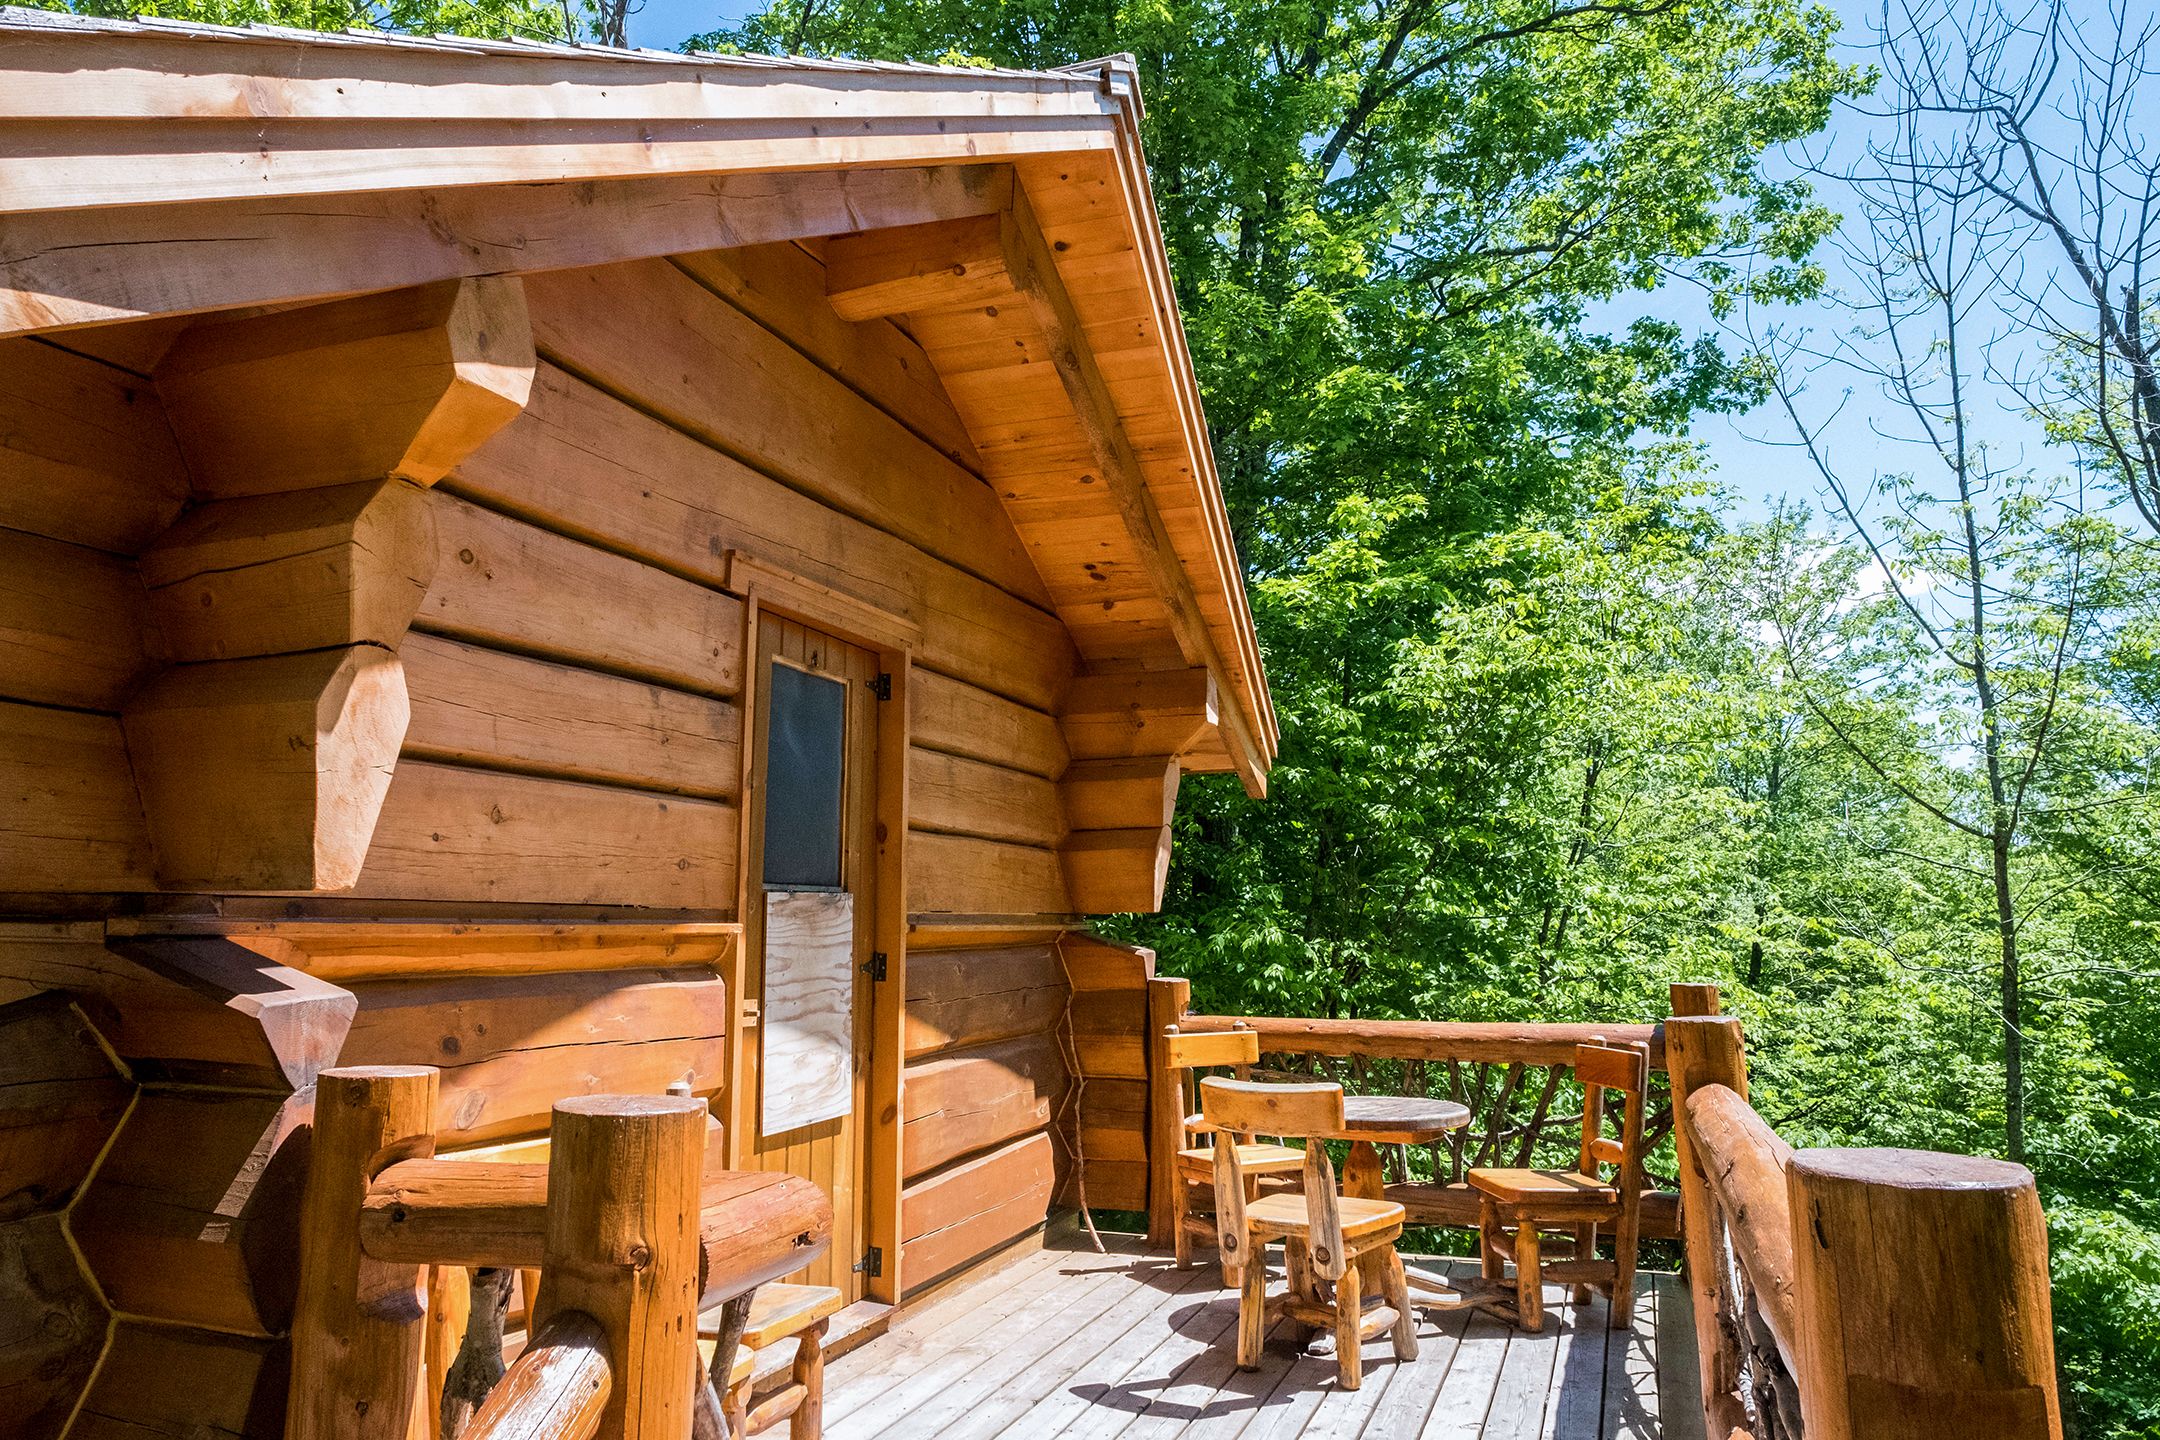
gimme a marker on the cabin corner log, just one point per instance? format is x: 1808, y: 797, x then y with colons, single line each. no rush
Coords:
x: 359, y: 1322
x: 621, y: 1246
x: 1922, y: 1290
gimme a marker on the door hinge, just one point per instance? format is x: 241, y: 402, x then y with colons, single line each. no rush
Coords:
x: 872, y: 1263
x: 876, y: 969
x: 881, y: 687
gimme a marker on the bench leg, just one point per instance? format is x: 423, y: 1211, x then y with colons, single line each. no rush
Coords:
x: 808, y: 1421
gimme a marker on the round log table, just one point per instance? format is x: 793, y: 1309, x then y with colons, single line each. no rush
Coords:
x: 1370, y: 1121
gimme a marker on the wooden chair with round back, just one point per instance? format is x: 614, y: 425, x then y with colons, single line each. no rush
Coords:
x: 1324, y: 1233
x: 1236, y: 1050
x: 1514, y: 1205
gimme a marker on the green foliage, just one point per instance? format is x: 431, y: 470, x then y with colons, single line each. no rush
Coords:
x: 1554, y: 734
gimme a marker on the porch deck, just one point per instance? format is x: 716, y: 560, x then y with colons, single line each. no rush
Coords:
x: 1065, y: 1342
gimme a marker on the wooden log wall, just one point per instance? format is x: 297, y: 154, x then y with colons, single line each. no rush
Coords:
x: 986, y: 1074
x: 574, y: 665
x: 1109, y: 1036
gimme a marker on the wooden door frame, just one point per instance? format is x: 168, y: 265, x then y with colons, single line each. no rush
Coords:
x: 892, y: 638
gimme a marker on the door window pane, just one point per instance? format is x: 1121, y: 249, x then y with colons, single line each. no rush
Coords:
x: 804, y: 758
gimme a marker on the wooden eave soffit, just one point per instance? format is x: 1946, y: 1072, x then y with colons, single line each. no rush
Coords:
x: 1131, y: 735
x: 264, y: 751
x: 983, y: 259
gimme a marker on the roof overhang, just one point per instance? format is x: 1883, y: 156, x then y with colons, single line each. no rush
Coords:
x: 155, y: 168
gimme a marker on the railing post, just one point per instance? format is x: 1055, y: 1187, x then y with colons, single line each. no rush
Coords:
x: 1706, y: 1050
x: 622, y: 1246
x: 1692, y: 998
x: 358, y: 1323
x: 1923, y: 1297
x: 1167, y: 1000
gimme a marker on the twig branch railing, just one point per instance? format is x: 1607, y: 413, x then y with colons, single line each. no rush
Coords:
x: 629, y: 1237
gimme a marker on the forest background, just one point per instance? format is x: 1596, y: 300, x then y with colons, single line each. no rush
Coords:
x: 1852, y: 708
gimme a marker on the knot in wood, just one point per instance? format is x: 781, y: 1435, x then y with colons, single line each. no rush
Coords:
x: 640, y: 1257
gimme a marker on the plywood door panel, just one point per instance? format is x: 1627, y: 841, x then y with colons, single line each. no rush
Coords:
x: 830, y: 1153
x: 809, y: 1013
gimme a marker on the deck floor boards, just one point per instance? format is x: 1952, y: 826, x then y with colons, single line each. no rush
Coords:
x: 1124, y: 1346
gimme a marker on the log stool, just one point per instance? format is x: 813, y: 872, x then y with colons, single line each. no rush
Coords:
x: 778, y: 1312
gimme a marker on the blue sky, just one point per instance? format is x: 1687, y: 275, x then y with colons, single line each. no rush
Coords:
x: 1754, y: 455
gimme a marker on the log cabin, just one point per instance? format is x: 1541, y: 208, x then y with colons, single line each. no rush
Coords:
x: 581, y: 635
x: 598, y: 574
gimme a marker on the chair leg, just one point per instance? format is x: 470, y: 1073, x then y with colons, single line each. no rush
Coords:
x: 1252, y: 1309
x: 1623, y: 1288
x: 1488, y: 1229
x: 1180, y: 1224
x: 1349, y: 1310
x: 1585, y: 1249
x: 1398, y: 1299
x: 1529, y: 1276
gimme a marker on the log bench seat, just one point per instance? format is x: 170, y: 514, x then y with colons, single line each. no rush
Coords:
x: 777, y: 1313
x: 1457, y: 1205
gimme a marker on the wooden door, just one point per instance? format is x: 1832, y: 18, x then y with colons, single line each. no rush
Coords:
x: 793, y: 958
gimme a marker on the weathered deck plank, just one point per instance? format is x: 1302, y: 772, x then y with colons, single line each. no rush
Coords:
x: 1073, y: 1345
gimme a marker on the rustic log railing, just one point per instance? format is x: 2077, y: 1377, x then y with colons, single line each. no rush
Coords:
x: 1838, y: 1294
x: 628, y: 1237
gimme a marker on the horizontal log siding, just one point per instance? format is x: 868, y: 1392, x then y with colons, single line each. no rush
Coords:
x: 1109, y: 1036
x: 686, y: 410
x: 985, y: 1075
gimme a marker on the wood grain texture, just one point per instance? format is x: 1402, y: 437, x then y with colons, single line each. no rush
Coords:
x: 69, y: 815
x: 557, y: 1388
x: 807, y: 1019
x: 684, y: 355
x: 193, y: 1213
x: 958, y: 796
x: 957, y: 718
x: 969, y: 1100
x: 969, y: 1209
x: 449, y: 833
x: 622, y: 1248
x: 52, y: 1328
x: 963, y: 875
x: 71, y: 268
x: 588, y: 464
x: 85, y: 454
x: 303, y: 570
x: 60, y: 1098
x: 71, y: 624
x: 509, y: 1047
x: 473, y: 705
x: 400, y: 383
x: 267, y: 773
x: 782, y: 287
x: 1923, y: 1300
x: 163, y: 1382
x: 968, y: 997
x: 358, y: 1323
x: 502, y: 582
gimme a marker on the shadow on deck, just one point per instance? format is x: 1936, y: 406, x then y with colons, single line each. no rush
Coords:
x: 1073, y: 1344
